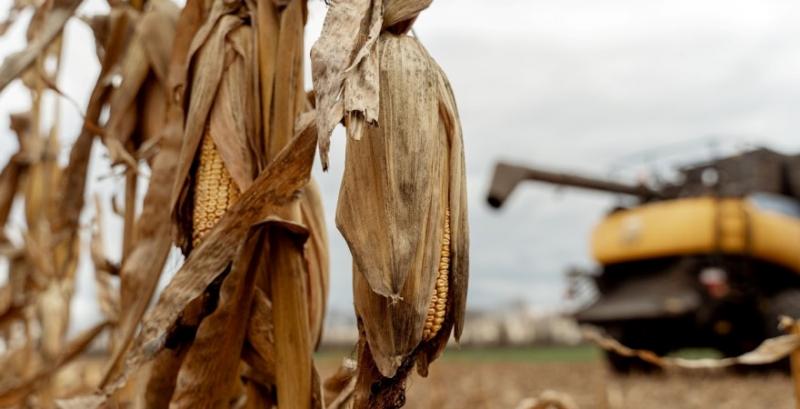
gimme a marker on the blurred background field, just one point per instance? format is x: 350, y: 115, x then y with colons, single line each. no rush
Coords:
x: 501, y: 378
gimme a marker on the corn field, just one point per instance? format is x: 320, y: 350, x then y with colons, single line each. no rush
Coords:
x: 209, y: 99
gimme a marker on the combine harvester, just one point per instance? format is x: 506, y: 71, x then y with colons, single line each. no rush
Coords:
x: 710, y: 262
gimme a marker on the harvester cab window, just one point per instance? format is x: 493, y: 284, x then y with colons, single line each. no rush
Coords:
x: 775, y: 203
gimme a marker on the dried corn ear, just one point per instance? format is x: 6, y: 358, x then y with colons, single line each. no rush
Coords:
x: 402, y: 210
x: 214, y: 191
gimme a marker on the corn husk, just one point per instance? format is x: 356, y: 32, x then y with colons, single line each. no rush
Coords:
x: 404, y: 169
x: 344, y: 63
x: 399, y: 180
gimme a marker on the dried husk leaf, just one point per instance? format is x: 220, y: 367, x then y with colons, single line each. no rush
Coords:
x: 459, y: 225
x: 344, y: 66
x: 230, y: 122
x: 345, y: 28
x: 402, y: 12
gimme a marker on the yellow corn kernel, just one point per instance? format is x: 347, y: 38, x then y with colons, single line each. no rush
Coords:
x: 438, y: 304
x: 214, y: 191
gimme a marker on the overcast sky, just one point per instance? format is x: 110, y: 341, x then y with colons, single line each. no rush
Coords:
x: 611, y: 88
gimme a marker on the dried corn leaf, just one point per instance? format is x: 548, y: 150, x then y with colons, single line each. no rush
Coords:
x: 14, y: 393
x: 15, y: 64
x: 144, y: 74
x: 69, y: 201
x: 288, y: 283
x: 9, y: 183
x: 340, y: 386
x: 209, y: 375
x: 52, y: 307
x: 259, y: 351
x: 156, y: 31
x: 107, y: 294
x: 268, y: 27
x: 40, y: 182
x: 317, y: 259
x: 6, y: 299
x: 100, y: 24
x: 142, y: 268
x: 13, y: 14
x: 288, y: 94
x: 19, y: 363
x: 123, y: 115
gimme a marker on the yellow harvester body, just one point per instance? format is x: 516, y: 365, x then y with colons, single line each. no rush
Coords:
x: 695, y: 226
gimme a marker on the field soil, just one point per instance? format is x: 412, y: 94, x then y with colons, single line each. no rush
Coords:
x: 467, y: 380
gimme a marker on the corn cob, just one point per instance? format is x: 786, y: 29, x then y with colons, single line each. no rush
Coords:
x: 407, y: 234
x: 214, y: 191
x: 438, y: 304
